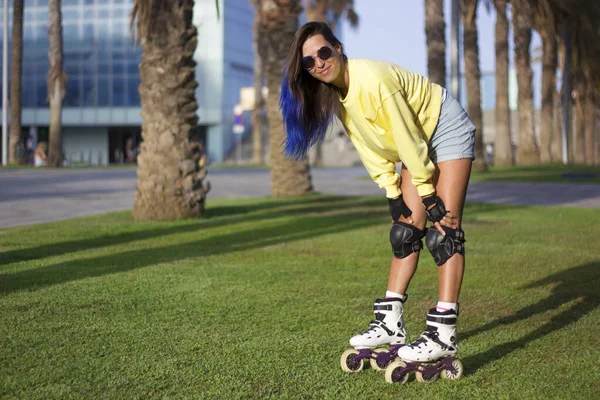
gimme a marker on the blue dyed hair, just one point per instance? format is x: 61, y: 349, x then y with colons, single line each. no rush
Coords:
x: 307, y: 104
x: 300, y: 134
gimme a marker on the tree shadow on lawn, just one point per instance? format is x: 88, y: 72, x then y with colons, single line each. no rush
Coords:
x: 215, y: 216
x: 260, y: 210
x: 578, y: 283
x: 308, y: 227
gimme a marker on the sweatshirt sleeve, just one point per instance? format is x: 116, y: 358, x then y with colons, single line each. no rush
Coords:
x: 382, y: 171
x: 410, y: 142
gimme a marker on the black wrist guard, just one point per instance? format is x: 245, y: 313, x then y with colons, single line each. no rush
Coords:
x: 398, y: 207
x: 434, y: 207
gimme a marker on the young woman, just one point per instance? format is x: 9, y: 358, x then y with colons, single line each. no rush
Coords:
x: 39, y: 156
x: 391, y: 115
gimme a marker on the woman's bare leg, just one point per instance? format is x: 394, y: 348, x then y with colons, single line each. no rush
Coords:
x: 451, y: 187
x: 402, y: 270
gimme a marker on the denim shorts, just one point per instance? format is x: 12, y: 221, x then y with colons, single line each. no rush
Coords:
x: 454, y: 135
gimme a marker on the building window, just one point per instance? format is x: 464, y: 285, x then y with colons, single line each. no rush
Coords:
x: 104, y: 88
x: 72, y: 97
x: 103, y: 68
x: 89, y: 92
x: 119, y: 91
x: 118, y: 68
x: 41, y: 98
x: 133, y: 91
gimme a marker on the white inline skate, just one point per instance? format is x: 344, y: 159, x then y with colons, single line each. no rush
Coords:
x: 387, y: 329
x: 431, y: 354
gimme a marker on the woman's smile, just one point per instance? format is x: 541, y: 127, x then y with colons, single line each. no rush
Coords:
x: 325, y: 71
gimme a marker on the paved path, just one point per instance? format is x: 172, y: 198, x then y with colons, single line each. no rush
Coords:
x: 30, y: 196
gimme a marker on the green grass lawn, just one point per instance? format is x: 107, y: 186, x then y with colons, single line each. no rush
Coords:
x: 541, y: 173
x: 259, y: 298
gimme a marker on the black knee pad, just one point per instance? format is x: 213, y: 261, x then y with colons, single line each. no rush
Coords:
x: 443, y: 247
x: 405, y: 239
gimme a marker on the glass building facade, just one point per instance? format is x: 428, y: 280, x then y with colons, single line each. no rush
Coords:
x: 100, y: 59
x: 101, y: 109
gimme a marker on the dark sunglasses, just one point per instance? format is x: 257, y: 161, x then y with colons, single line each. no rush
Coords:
x: 324, y: 54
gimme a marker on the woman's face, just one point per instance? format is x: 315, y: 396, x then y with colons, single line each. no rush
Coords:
x: 321, y: 59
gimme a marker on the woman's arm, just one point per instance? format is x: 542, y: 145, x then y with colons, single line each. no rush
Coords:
x: 396, y: 117
x: 382, y: 171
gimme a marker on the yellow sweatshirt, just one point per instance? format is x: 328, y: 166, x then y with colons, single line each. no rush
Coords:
x: 390, y: 114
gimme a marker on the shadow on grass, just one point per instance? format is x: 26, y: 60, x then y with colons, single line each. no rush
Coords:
x: 214, y: 217
x: 311, y: 226
x: 579, y: 283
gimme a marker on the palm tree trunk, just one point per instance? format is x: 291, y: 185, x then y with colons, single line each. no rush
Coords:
x: 170, y: 175
x: 556, y: 142
x: 579, y: 128
x: 549, y: 65
x: 503, y: 155
x: 597, y: 131
x: 316, y: 10
x: 279, y: 21
x: 16, y: 69
x: 527, y: 150
x: 545, y: 23
x: 56, y: 82
x: 473, y: 77
x: 573, y: 120
x: 590, y: 121
x: 258, y: 113
x: 435, y: 31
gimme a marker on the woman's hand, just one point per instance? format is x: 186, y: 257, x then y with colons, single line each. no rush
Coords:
x: 438, y: 215
x: 450, y: 220
x: 399, y: 210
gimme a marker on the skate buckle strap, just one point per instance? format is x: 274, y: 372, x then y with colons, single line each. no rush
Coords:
x: 429, y: 336
x: 442, y: 320
x: 382, y: 307
x: 379, y: 324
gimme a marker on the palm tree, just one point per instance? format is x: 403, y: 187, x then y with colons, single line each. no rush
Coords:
x: 56, y: 82
x: 278, y: 23
x: 329, y: 11
x: 170, y: 173
x: 545, y: 23
x: 591, y: 135
x: 588, y: 57
x: 503, y: 154
x: 556, y: 145
x: 316, y: 10
x: 435, y: 31
x: 473, y: 77
x: 578, y: 138
x: 259, y: 120
x: 16, y: 69
x: 527, y: 149
x: 580, y: 18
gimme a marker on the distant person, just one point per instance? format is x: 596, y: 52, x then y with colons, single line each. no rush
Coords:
x: 392, y: 115
x: 130, y: 153
x: 40, y: 155
x: 28, y: 155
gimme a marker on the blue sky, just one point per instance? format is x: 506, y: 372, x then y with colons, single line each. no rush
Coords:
x: 394, y: 30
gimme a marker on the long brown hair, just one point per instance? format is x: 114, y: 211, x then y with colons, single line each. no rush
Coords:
x: 307, y: 104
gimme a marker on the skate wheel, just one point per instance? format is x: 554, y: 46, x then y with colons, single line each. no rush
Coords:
x: 379, y: 365
x: 455, y: 373
x: 395, y: 372
x: 426, y: 378
x: 349, y: 364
